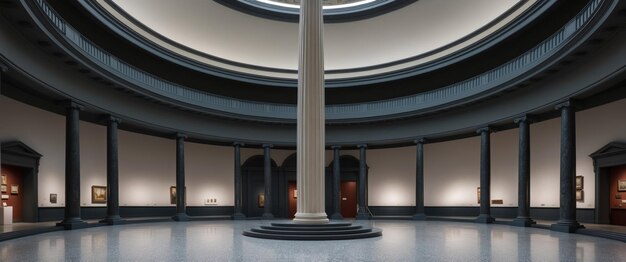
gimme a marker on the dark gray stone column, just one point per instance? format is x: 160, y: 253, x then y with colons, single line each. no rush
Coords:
x: 238, y: 184
x: 567, y: 212
x: 523, y: 186
x: 181, y: 214
x: 113, y: 203
x: 485, y: 176
x: 419, y: 180
x: 267, y: 172
x: 72, y: 218
x: 362, y: 212
x: 336, y: 183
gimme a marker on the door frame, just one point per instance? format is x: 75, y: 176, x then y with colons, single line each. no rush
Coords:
x: 16, y: 153
x: 611, y: 155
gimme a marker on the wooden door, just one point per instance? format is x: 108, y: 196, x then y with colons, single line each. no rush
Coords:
x: 348, y: 198
x: 292, y: 199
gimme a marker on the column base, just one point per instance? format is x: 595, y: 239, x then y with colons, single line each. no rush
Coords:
x: 363, y: 216
x: 72, y: 223
x: 239, y: 216
x: 310, y: 218
x: 523, y: 222
x: 485, y: 219
x: 113, y: 220
x: 181, y: 217
x: 419, y: 216
x: 567, y: 226
x: 267, y: 216
x: 337, y: 216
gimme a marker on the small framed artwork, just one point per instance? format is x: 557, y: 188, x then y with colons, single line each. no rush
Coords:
x: 15, y: 189
x: 98, y: 194
x: 621, y: 185
x: 478, y: 194
x: 295, y: 193
x: 173, y: 195
x: 5, y: 197
x: 618, y: 196
x: 53, y: 198
x: 261, y: 199
x: 580, y: 182
x: 3, y: 188
x: 580, y: 195
x: 4, y: 179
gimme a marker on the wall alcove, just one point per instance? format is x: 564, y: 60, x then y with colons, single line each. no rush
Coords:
x: 254, y: 184
x: 24, y: 160
x: 607, y: 160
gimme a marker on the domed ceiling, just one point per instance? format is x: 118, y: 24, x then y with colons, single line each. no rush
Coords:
x: 216, y: 35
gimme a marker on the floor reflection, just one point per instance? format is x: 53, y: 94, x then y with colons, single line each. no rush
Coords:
x: 222, y: 241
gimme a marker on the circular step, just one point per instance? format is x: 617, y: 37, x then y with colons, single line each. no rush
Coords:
x: 330, y: 231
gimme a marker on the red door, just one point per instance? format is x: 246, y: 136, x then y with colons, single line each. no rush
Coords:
x: 348, y: 198
x: 13, y: 189
x: 293, y: 201
x: 617, y: 196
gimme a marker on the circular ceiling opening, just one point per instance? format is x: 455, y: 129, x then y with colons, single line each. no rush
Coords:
x: 328, y: 4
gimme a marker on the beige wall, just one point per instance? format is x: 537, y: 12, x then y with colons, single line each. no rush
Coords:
x: 147, y: 163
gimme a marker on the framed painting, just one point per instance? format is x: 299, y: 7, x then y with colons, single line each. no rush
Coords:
x: 98, y: 194
x: 53, y: 198
x: 579, y: 182
x: 173, y: 196
x: 3, y: 188
x: 261, y: 199
x: 478, y: 194
x: 4, y: 179
x: 15, y: 189
x: 621, y: 185
x: 580, y: 195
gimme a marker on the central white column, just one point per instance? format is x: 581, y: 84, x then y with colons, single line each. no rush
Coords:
x: 311, y: 118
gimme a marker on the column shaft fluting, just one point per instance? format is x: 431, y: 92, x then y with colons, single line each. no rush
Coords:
x: 181, y: 214
x: 523, y: 185
x: 362, y: 211
x: 113, y: 205
x: 567, y: 211
x: 419, y: 180
x: 267, y: 175
x: 238, y: 183
x: 311, y: 116
x: 336, y: 183
x: 72, y: 167
x: 485, y: 176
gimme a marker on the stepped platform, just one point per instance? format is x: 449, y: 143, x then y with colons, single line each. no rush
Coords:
x: 330, y: 231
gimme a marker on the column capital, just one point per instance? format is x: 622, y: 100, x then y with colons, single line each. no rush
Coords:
x: 523, y: 119
x: 113, y: 119
x: 181, y: 136
x: 69, y: 104
x: 240, y: 144
x: 568, y: 103
x: 335, y: 147
x: 421, y: 140
x: 267, y: 145
x: 361, y: 146
x: 486, y: 129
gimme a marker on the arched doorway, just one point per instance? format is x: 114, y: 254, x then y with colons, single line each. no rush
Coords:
x: 288, y: 200
x: 348, y: 187
x: 253, y: 182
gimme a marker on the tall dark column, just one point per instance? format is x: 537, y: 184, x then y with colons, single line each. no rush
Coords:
x: 362, y: 212
x: 567, y: 212
x: 485, y: 176
x: 336, y: 183
x: 523, y: 186
x: 113, y: 203
x: 181, y: 214
x: 419, y: 180
x: 267, y: 172
x: 238, y: 183
x: 72, y: 218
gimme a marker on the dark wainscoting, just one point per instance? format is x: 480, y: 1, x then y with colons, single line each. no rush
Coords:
x: 56, y: 213
x: 585, y: 215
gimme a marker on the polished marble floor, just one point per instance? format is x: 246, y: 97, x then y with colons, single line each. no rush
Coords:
x: 222, y: 241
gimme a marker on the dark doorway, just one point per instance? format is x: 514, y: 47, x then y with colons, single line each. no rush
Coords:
x: 348, y: 198
x: 292, y: 199
x: 617, y: 197
x: 20, y: 164
x: 254, y: 186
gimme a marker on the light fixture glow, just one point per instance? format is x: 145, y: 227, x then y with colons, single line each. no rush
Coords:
x: 274, y: 2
